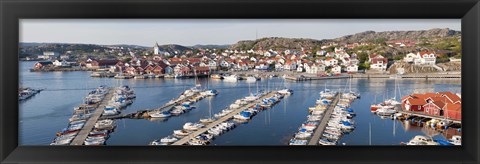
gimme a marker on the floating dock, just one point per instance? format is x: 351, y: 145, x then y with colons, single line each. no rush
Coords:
x: 323, y: 123
x: 185, y: 139
x: 87, y: 128
x: 142, y: 113
x: 421, y: 114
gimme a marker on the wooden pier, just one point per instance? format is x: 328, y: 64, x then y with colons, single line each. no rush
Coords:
x: 87, y: 128
x: 421, y: 114
x: 324, y: 121
x: 185, y: 139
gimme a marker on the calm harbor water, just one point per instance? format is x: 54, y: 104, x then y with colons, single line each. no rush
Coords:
x: 47, y: 113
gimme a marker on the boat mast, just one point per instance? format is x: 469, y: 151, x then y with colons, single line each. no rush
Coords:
x: 395, y: 89
x: 210, y: 106
x: 370, y: 133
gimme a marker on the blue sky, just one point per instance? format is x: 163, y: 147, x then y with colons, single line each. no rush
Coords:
x: 189, y: 32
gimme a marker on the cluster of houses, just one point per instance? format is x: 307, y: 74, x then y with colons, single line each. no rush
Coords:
x: 307, y: 61
x: 443, y: 104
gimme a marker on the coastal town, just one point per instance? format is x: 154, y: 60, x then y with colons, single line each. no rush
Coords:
x: 331, y: 118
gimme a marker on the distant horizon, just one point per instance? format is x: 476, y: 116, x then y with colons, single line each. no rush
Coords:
x: 191, y: 32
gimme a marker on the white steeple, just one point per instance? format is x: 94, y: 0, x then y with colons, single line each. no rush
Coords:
x: 156, y: 49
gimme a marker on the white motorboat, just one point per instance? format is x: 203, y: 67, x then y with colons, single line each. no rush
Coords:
x: 168, y: 139
x: 192, y: 126
x: 160, y: 114
x: 232, y: 78
x: 286, y: 91
x: 456, y: 140
x: 325, y: 141
x: 422, y: 140
x: 207, y: 120
x: 181, y: 132
x: 385, y: 111
x: 297, y: 142
x: 251, y: 79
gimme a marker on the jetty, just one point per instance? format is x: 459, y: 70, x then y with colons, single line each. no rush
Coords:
x: 185, y: 139
x: 421, y: 114
x: 87, y: 128
x: 145, y: 113
x: 323, y: 123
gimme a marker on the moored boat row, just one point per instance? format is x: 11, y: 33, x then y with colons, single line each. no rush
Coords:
x: 80, y: 116
x: 316, y: 113
x: 183, y: 103
x: 341, y: 120
x: 219, y: 128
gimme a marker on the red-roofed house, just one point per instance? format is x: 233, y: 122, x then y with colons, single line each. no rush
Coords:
x: 374, y: 56
x: 379, y: 64
x: 426, y: 57
x: 453, y: 111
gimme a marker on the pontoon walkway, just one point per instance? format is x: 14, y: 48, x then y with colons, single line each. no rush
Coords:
x: 219, y: 121
x: 87, y: 128
x: 323, y: 123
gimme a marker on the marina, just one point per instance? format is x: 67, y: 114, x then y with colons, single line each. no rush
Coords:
x: 274, y: 126
x: 222, y: 119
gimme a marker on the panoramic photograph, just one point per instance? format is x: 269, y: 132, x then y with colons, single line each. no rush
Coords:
x: 240, y: 82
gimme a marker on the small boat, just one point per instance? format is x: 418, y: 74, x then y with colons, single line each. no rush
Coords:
x: 168, y: 139
x: 325, y: 141
x: 163, y: 114
x: 157, y: 142
x: 297, y: 142
x: 181, y: 132
x: 286, y: 91
x: 456, y: 140
x: 252, y: 79
x: 216, y: 76
x: 210, y: 92
x: 303, y: 134
x: 207, y: 120
x: 422, y: 140
x: 385, y: 111
x: 192, y: 126
x: 232, y: 78
x: 243, y: 115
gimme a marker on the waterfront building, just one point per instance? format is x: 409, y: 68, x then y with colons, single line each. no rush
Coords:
x: 62, y: 63
x: 336, y: 69
x: 443, y: 104
x: 379, y: 64
x: 42, y: 64
x: 424, y: 57
x: 352, y: 68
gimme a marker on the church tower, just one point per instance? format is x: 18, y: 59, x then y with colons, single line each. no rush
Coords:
x: 156, y: 49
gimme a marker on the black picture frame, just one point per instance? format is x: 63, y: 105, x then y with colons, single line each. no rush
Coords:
x: 13, y: 10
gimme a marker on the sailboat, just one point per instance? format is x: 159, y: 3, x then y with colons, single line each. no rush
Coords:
x: 208, y: 92
x: 210, y: 118
x: 285, y: 90
x: 351, y: 94
x: 393, y: 101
